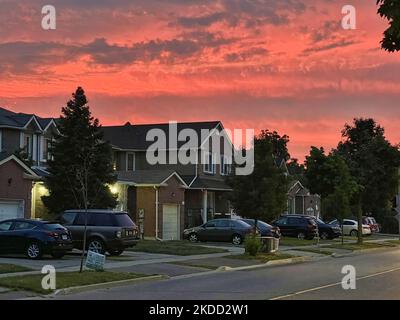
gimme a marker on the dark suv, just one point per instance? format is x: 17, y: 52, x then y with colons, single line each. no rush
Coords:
x: 106, y: 230
x: 302, y: 227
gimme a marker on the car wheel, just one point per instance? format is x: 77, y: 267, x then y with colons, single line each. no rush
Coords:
x: 324, y: 236
x: 237, y: 239
x: 193, y: 237
x: 96, y: 245
x: 115, y: 252
x: 58, y: 255
x: 354, y: 233
x: 34, y: 251
x: 301, y: 236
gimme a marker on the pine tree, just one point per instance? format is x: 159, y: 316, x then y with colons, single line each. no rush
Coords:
x: 81, y: 164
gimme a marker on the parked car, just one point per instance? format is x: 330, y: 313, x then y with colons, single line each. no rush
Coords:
x: 229, y: 230
x: 300, y: 226
x: 327, y: 231
x: 266, y: 230
x: 107, y: 230
x: 350, y: 227
x: 34, y: 238
x: 374, y: 226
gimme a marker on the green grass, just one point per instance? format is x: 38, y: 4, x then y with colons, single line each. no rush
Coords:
x: 394, y: 242
x: 363, y: 246
x: 316, y: 250
x: 294, y: 242
x: 64, y: 280
x: 11, y: 268
x: 180, y: 248
x: 263, y: 257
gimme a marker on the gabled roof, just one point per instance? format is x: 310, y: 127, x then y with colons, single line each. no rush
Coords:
x: 133, y: 137
x: 209, y: 184
x: 12, y: 119
x: 4, y: 158
x: 148, y: 177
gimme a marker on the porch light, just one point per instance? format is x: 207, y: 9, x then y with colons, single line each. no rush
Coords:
x: 42, y: 190
x: 114, y: 189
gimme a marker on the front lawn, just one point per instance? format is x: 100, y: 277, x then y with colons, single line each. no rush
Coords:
x: 180, y: 248
x: 11, y: 268
x: 65, y: 280
x: 363, y: 246
x: 263, y: 257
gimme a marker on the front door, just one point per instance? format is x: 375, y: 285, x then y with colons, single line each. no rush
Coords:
x: 171, y: 223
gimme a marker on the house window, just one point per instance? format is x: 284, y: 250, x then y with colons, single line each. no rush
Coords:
x: 225, y: 167
x: 47, y: 149
x: 130, y: 161
x: 28, y: 145
x: 209, y: 163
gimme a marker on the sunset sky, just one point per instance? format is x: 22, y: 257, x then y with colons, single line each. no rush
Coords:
x: 282, y: 65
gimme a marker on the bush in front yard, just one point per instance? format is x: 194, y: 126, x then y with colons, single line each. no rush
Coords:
x: 252, y: 245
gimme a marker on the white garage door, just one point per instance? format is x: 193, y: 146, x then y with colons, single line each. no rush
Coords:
x: 11, y: 210
x: 171, y: 222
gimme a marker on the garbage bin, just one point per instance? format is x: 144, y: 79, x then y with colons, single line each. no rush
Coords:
x: 270, y: 244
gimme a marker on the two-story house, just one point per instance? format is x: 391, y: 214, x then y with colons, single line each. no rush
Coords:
x: 20, y: 182
x: 165, y: 198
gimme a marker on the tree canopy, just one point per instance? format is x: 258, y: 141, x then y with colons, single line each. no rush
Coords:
x: 373, y: 162
x: 390, y: 10
x: 263, y: 194
x: 81, y: 164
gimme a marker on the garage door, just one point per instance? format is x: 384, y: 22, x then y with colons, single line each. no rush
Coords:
x: 11, y: 210
x: 171, y: 222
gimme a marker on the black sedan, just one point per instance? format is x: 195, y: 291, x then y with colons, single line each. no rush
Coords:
x: 219, y: 230
x: 327, y: 231
x: 34, y: 238
x: 265, y: 229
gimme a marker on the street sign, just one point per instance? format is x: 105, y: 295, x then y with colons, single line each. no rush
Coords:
x: 95, y: 261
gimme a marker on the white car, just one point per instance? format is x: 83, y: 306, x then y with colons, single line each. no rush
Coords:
x: 350, y: 227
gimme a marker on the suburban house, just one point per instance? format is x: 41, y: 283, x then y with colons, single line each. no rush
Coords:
x: 21, y: 183
x: 165, y: 198
x: 301, y: 201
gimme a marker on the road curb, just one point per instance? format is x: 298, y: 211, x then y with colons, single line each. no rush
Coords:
x: 362, y: 251
x: 105, y: 285
x: 272, y: 263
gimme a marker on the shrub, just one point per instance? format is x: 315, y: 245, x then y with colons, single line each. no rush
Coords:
x: 390, y: 225
x: 252, y: 245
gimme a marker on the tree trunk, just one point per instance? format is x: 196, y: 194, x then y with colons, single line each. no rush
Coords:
x: 84, y: 240
x: 360, y: 227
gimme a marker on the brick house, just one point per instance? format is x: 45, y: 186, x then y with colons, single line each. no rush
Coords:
x: 170, y: 196
x: 164, y: 198
x: 21, y: 185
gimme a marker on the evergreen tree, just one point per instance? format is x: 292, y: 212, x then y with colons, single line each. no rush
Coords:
x: 81, y: 164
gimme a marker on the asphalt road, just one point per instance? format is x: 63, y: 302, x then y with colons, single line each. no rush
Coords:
x: 378, y: 276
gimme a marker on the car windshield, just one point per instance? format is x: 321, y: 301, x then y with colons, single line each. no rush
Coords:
x: 123, y: 220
